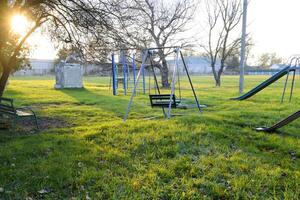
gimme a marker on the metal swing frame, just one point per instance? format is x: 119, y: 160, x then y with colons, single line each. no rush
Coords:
x: 172, y: 100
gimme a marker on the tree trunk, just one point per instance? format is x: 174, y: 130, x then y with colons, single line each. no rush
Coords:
x: 216, y: 75
x: 220, y: 72
x: 164, y: 74
x: 3, y: 80
x: 218, y: 81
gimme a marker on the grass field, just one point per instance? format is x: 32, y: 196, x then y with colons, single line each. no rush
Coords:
x: 86, y: 151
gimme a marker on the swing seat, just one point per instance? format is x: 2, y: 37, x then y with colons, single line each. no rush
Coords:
x: 163, y: 100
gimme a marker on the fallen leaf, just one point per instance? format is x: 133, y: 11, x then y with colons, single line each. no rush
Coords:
x: 43, y: 191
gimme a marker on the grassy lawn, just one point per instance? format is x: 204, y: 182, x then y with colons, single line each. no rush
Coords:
x: 86, y: 151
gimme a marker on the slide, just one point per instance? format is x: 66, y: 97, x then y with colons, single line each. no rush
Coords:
x: 280, y: 124
x: 265, y: 84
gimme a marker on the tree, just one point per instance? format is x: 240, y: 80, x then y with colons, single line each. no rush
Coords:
x: 69, y: 21
x: 64, y: 52
x: 223, y: 16
x: 233, y: 60
x: 150, y: 22
x: 266, y: 60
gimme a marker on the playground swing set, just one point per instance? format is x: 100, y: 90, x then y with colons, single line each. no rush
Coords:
x: 164, y: 101
x: 168, y: 101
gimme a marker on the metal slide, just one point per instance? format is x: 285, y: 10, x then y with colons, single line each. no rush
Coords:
x: 265, y: 84
x: 280, y: 124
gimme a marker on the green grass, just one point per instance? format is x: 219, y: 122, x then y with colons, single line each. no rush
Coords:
x: 94, y: 154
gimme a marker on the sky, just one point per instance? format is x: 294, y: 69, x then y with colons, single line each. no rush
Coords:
x: 273, y: 25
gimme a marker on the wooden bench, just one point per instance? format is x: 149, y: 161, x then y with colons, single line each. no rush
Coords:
x: 163, y: 100
x: 7, y: 108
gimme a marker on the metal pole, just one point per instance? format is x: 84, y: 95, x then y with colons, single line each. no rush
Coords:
x: 134, y: 67
x: 243, y: 47
x: 124, y: 73
x: 190, y: 80
x: 127, y: 75
x: 144, y: 80
x: 113, y: 68
x: 173, y: 83
x: 285, y: 84
x: 135, y: 85
x: 292, y: 87
x: 149, y: 83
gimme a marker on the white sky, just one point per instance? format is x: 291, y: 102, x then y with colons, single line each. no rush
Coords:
x: 273, y: 24
x: 42, y: 47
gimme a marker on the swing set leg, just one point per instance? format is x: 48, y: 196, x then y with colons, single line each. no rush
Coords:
x: 191, y: 83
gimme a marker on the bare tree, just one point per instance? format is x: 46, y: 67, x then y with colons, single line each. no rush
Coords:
x: 158, y: 23
x: 233, y: 60
x: 266, y: 60
x: 69, y: 21
x: 223, y: 16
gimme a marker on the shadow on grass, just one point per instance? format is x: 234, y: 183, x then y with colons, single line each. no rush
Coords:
x: 13, y: 94
x: 134, y: 158
x: 84, y: 96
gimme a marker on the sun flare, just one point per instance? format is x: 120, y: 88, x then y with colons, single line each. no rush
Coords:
x: 19, y: 24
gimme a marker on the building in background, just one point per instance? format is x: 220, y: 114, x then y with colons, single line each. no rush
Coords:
x: 41, y: 67
x: 38, y: 67
x: 277, y: 66
x: 195, y: 64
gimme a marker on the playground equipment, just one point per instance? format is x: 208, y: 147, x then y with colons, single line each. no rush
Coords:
x: 127, y: 74
x: 281, y: 123
x: 164, y: 101
x: 292, y: 67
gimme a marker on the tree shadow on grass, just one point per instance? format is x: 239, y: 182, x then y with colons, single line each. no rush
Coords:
x: 113, y: 104
x: 9, y: 93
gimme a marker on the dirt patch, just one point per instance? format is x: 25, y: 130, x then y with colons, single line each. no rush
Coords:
x: 28, y: 124
x: 46, y: 123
